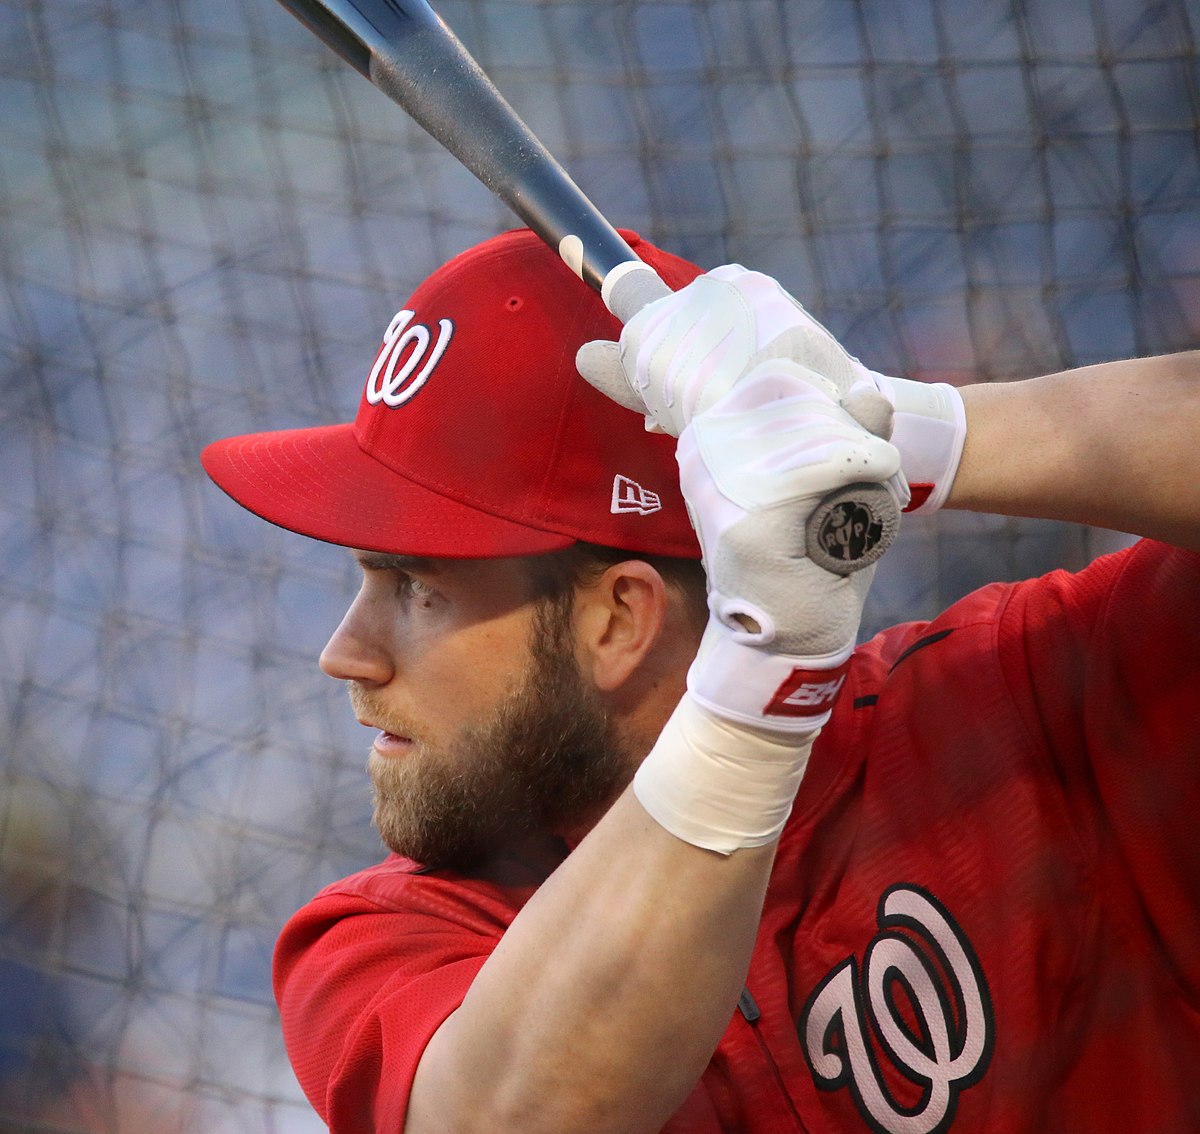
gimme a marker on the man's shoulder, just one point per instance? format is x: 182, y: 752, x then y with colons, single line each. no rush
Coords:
x: 887, y: 649
x: 402, y: 886
x: 382, y: 882
x: 1143, y: 565
x: 395, y: 915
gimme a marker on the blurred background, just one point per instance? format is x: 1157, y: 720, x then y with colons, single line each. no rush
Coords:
x: 206, y: 223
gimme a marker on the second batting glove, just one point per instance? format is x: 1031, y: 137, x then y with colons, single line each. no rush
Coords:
x: 684, y: 352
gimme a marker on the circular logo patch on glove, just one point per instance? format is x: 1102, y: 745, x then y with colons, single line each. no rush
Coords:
x: 851, y: 528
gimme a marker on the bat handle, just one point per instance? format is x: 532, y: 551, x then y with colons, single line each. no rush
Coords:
x: 852, y: 526
x: 629, y: 287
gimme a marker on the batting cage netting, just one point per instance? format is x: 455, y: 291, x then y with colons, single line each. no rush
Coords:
x: 206, y: 223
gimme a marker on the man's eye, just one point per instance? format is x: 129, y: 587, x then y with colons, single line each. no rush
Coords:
x: 418, y: 589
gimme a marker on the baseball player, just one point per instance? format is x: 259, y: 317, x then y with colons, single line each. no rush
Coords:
x: 668, y: 852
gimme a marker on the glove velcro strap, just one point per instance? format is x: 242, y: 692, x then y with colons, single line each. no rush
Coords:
x: 929, y: 428
x: 717, y: 785
x: 773, y: 692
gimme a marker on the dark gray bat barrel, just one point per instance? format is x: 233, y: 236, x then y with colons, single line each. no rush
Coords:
x: 409, y: 53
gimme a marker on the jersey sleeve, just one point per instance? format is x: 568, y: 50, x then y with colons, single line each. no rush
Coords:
x: 1105, y: 667
x: 364, y: 975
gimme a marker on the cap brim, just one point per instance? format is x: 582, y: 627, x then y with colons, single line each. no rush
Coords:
x: 319, y: 483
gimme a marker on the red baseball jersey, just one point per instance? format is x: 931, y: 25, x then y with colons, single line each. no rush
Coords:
x: 984, y: 914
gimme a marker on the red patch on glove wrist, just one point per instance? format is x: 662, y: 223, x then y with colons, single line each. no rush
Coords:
x: 807, y: 692
x: 918, y: 494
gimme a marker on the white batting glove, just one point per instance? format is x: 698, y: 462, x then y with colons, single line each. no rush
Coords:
x: 753, y: 466
x: 682, y: 353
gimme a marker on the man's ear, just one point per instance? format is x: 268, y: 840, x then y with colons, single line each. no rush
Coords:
x: 618, y: 621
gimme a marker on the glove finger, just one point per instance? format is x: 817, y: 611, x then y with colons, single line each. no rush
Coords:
x: 899, y: 488
x: 684, y: 351
x: 599, y: 362
x: 772, y: 384
x: 870, y: 409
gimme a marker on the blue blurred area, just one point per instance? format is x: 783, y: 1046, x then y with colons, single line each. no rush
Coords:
x: 206, y: 222
x: 32, y: 1016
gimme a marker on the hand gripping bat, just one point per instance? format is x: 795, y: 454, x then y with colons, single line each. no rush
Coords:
x: 406, y: 50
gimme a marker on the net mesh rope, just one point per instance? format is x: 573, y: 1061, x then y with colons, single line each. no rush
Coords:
x: 206, y: 222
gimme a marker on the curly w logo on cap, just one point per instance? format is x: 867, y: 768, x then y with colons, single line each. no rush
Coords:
x: 389, y: 380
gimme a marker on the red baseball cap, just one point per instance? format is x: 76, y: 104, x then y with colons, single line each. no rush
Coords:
x: 475, y: 436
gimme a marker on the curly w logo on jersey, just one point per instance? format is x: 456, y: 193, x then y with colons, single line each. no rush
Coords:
x: 919, y: 1001
x: 406, y: 360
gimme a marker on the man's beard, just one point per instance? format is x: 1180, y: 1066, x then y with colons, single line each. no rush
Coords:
x: 545, y: 761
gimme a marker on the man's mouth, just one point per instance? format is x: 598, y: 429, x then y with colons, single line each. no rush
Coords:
x: 392, y: 735
x: 391, y: 744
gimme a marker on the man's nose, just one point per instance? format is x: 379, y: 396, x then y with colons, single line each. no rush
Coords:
x: 357, y: 650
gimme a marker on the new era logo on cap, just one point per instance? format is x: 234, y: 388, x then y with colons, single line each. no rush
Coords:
x: 629, y: 496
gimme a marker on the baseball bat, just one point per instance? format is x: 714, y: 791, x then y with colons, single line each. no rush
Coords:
x: 409, y: 53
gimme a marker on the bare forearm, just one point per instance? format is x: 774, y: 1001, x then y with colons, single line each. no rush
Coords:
x: 1116, y: 445
x: 607, y: 996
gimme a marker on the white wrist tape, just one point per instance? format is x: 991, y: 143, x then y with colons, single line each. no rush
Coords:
x: 929, y: 428
x: 718, y: 785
